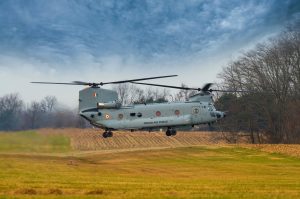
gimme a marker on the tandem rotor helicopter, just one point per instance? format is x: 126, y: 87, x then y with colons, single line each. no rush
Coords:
x: 102, y: 109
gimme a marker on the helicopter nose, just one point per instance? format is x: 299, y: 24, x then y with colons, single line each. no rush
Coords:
x: 224, y: 114
x: 220, y: 114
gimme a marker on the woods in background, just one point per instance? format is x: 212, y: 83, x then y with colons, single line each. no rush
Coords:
x: 15, y: 115
x: 271, y: 72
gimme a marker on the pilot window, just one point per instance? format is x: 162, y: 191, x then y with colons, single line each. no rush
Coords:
x: 132, y: 114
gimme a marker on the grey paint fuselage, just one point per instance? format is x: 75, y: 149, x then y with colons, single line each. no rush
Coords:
x: 145, y: 116
x: 102, y: 109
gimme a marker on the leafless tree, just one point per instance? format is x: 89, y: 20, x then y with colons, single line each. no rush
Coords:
x: 271, y: 71
x: 10, y: 107
x: 49, y: 103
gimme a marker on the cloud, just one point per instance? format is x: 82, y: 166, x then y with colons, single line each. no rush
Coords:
x: 74, y: 40
x: 66, y: 29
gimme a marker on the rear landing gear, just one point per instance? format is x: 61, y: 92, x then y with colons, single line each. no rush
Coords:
x: 171, y: 132
x: 107, y: 134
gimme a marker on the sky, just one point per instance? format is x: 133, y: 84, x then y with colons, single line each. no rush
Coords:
x: 107, y: 40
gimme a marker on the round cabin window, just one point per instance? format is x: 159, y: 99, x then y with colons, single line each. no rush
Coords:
x: 177, y: 112
x: 139, y: 115
x: 107, y: 116
x: 158, y: 113
x: 120, y: 116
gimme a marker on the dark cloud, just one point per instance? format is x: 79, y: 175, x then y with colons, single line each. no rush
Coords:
x: 62, y: 31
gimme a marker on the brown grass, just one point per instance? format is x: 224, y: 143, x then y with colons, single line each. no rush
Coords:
x: 92, y: 140
x: 95, y: 192
x: 26, y: 191
x: 54, y: 192
x: 286, y: 149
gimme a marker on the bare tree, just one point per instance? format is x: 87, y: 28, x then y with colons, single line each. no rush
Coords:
x: 10, y: 107
x: 49, y: 103
x: 271, y: 72
x: 123, y: 91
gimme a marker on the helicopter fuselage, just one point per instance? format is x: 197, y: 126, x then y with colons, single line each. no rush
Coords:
x: 152, y: 116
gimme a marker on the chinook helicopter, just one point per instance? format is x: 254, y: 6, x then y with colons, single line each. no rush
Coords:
x: 102, y: 109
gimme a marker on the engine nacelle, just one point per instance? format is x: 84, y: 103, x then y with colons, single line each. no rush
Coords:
x: 108, y: 105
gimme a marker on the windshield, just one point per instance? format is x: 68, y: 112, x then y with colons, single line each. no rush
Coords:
x: 211, y: 107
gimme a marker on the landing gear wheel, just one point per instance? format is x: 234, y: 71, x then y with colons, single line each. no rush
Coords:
x: 110, y: 134
x: 168, y: 132
x: 107, y: 134
x: 173, y: 132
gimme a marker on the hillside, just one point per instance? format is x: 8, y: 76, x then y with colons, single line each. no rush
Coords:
x: 91, y: 139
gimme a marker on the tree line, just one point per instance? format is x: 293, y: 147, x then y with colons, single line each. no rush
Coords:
x: 270, y: 73
x: 15, y: 114
x: 47, y: 113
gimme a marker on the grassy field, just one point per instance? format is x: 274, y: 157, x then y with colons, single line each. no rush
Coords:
x: 37, y: 165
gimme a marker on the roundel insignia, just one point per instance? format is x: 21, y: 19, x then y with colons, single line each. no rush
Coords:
x: 107, y: 116
x: 158, y: 113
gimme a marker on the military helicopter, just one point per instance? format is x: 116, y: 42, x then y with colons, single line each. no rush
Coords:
x: 102, y: 109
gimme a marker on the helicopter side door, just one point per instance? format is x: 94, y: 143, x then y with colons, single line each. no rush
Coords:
x: 196, y: 115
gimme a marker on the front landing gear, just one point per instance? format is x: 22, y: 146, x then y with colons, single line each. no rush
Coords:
x: 171, y: 132
x: 107, y: 134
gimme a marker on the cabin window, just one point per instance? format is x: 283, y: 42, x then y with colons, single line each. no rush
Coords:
x: 120, y: 116
x: 139, y: 114
x: 92, y: 115
x: 99, y: 114
x: 132, y: 114
x: 177, y: 112
x: 196, y: 110
x: 158, y: 113
x: 107, y: 116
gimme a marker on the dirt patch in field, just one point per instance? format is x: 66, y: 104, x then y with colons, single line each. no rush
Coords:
x: 92, y: 140
x: 26, y: 191
x: 286, y: 149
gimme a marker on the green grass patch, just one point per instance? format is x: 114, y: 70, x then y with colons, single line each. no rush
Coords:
x: 190, y: 172
x: 30, y: 141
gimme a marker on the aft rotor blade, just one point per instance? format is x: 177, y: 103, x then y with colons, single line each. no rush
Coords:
x: 167, y: 86
x: 228, y: 91
x: 56, y: 83
x: 140, y: 79
x: 207, y: 86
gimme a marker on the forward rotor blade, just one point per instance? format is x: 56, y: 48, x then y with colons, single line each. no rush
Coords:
x: 56, y: 83
x: 103, y: 83
x: 140, y: 79
x: 167, y: 86
x: 81, y: 83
